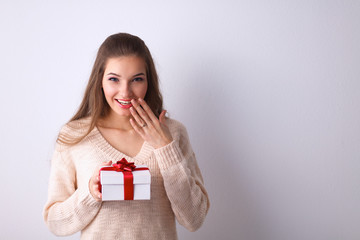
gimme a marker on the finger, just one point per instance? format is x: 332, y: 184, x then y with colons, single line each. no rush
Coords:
x: 148, y: 110
x: 162, y: 117
x: 97, y: 171
x: 96, y: 193
x: 98, y: 197
x: 106, y: 163
x: 96, y: 183
x: 141, y: 111
x: 137, y: 118
x: 138, y: 129
x: 94, y: 190
x: 98, y: 188
x: 95, y: 179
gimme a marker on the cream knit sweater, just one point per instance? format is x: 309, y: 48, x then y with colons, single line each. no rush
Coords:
x: 177, y: 189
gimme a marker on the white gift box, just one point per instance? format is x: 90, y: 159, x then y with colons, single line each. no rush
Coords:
x: 112, y: 184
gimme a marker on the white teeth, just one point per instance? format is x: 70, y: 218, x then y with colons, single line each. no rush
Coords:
x: 123, y: 102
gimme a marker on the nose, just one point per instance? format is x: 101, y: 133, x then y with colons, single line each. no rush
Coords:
x: 125, y: 90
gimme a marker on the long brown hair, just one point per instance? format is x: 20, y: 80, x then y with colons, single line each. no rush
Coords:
x: 94, y: 104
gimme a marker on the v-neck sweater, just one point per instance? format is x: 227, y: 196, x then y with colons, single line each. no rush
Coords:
x: 177, y: 189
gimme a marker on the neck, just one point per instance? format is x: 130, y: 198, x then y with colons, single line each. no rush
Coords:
x: 115, y: 121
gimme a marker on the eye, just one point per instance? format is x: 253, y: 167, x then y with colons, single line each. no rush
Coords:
x: 138, y: 79
x: 114, y: 79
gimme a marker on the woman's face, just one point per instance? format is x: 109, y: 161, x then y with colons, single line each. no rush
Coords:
x: 124, y: 79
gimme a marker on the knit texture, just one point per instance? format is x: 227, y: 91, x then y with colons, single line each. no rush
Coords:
x: 177, y: 190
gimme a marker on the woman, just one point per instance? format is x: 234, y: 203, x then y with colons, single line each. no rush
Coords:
x: 121, y: 116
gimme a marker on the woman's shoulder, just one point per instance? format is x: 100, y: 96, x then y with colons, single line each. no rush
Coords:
x: 72, y: 130
x: 180, y: 134
x: 75, y: 128
x: 78, y: 125
x: 174, y: 125
x: 177, y: 129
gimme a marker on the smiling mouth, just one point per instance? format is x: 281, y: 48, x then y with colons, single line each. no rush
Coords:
x: 124, y: 103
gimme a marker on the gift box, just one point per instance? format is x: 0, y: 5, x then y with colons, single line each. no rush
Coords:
x: 125, y: 181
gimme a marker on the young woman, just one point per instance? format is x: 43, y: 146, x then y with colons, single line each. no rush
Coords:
x: 121, y: 116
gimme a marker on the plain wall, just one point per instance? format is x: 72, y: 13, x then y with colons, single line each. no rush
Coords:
x: 268, y: 90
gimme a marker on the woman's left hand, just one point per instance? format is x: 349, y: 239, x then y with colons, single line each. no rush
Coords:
x: 151, y: 129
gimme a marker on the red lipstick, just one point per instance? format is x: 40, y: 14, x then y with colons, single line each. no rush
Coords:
x: 124, y: 103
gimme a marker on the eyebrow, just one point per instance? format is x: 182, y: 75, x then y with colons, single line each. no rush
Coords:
x: 111, y: 73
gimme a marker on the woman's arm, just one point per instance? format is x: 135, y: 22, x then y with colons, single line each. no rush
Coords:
x: 183, y: 181
x: 182, y: 178
x: 69, y: 208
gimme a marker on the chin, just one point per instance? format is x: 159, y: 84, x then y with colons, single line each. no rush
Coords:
x: 124, y: 112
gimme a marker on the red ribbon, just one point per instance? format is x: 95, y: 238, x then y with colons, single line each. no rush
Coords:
x: 126, y: 168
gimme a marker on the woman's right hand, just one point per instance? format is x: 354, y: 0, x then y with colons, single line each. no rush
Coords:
x: 94, y: 182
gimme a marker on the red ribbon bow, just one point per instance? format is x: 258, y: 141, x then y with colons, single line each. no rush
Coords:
x: 126, y: 168
x: 123, y: 165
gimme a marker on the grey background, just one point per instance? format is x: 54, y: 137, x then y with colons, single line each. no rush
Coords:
x: 268, y: 90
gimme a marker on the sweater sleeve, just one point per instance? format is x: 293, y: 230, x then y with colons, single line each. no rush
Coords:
x: 183, y: 181
x: 69, y: 208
